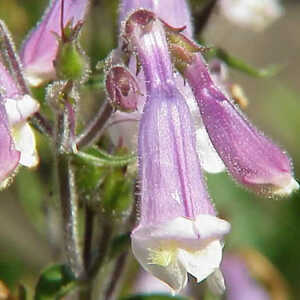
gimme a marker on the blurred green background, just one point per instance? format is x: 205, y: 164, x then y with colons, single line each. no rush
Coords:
x: 28, y: 207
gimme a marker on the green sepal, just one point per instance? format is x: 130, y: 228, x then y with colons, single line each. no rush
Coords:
x: 240, y: 65
x: 54, y: 283
x: 69, y: 62
x: 153, y: 297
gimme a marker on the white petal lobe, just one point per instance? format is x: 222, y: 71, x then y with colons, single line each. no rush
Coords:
x: 25, y: 142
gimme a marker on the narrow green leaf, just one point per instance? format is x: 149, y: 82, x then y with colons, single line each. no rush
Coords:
x: 238, y: 64
x: 55, y: 282
x: 153, y: 297
x: 113, y: 161
x: 102, y: 153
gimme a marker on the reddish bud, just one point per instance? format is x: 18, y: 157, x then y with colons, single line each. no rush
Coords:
x: 122, y: 88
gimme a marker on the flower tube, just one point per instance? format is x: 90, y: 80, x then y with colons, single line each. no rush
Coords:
x: 250, y: 157
x: 175, y: 13
x: 40, y: 48
x: 178, y: 231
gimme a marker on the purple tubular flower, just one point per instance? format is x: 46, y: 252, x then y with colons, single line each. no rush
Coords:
x: 178, y: 232
x: 9, y: 156
x: 175, y: 12
x: 40, y: 48
x: 17, y: 138
x: 238, y: 281
x: 251, y: 158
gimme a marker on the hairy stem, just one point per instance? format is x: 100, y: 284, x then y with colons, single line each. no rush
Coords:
x: 95, y: 129
x: 88, y: 236
x: 103, y: 248
x: 115, y: 280
x: 68, y: 195
x: 69, y: 206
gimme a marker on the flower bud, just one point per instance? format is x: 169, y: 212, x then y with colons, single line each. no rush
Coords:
x: 122, y: 88
x: 69, y: 62
x: 40, y: 48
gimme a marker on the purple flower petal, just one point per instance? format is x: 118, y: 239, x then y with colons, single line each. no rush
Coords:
x: 40, y: 48
x: 8, y: 87
x: 9, y: 156
x: 251, y: 158
x: 174, y: 12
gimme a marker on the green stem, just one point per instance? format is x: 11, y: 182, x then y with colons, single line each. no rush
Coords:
x: 100, y: 162
x: 115, y: 280
x: 103, y: 248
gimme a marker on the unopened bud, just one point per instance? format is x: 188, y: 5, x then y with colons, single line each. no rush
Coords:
x: 122, y: 88
x: 40, y: 48
x: 69, y: 62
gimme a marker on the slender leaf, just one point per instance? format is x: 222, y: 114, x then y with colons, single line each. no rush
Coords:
x: 113, y: 161
x: 238, y: 64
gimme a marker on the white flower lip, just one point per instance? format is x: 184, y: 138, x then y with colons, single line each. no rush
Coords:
x: 169, y: 251
x: 216, y: 282
x: 18, y: 110
x: 24, y: 140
